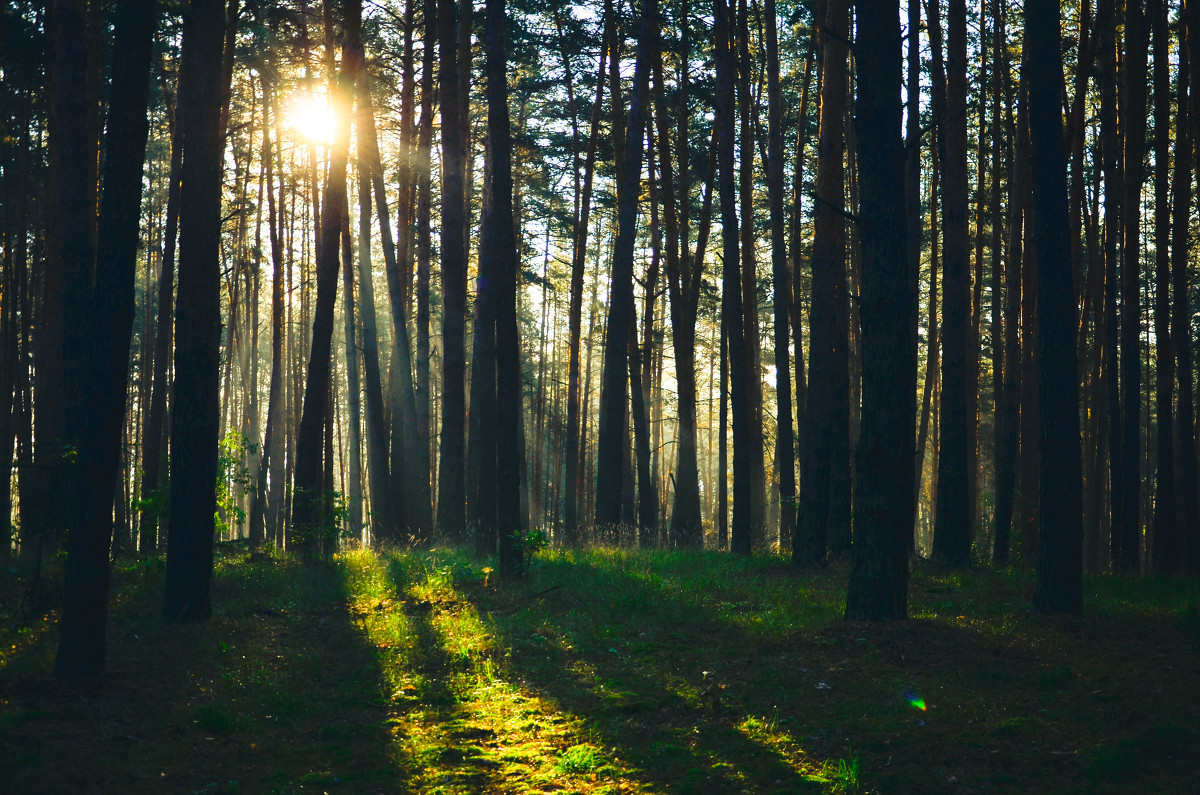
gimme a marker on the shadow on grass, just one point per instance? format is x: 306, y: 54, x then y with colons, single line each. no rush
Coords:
x: 646, y: 704
x: 276, y: 693
x: 704, y: 692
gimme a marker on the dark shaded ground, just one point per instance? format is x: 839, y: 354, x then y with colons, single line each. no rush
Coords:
x: 610, y: 672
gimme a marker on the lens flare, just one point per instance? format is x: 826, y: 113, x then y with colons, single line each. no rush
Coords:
x: 914, y: 701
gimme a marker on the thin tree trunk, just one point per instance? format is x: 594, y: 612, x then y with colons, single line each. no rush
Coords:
x: 952, y: 524
x: 1165, y: 551
x: 451, y: 516
x: 1189, y: 115
x: 1133, y: 126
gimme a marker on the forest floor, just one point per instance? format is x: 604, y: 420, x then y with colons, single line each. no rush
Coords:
x: 606, y: 671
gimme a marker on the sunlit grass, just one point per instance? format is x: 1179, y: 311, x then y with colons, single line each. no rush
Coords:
x: 611, y: 671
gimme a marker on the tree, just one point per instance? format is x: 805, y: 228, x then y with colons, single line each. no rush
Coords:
x: 98, y: 309
x: 613, y: 432
x: 500, y: 242
x: 952, y: 530
x: 309, y: 485
x: 451, y: 516
x: 824, y: 510
x: 785, y: 468
x: 195, y: 414
x: 731, y: 284
x: 1127, y: 531
x: 1060, y: 536
x: 884, y: 509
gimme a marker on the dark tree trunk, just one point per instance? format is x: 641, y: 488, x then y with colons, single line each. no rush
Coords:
x: 884, y: 505
x: 270, y: 465
x: 683, y: 288
x: 1008, y: 418
x: 1060, y: 536
x: 424, y: 456
x: 1189, y: 115
x: 1165, y: 551
x: 501, y: 242
x: 354, y: 492
x: 613, y: 431
x: 824, y: 509
x: 195, y: 411
x: 913, y: 239
x: 574, y: 316
x: 1110, y: 155
x: 451, y: 517
x: 749, y: 277
x: 1127, y: 531
x: 390, y: 505
x: 308, y: 489
x: 952, y: 527
x: 98, y: 311
x: 154, y: 432
x: 731, y: 289
x: 785, y: 466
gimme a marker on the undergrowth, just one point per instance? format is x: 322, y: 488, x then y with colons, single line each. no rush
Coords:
x: 607, y: 671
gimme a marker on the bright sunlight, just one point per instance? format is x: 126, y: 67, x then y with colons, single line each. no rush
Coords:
x: 312, y: 118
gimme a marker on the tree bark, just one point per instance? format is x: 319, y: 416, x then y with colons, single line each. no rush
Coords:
x: 1165, y: 550
x: 451, y: 516
x: 195, y: 412
x: 952, y: 524
x: 308, y: 512
x: 1133, y: 126
x: 1060, y: 538
x: 98, y: 311
x: 884, y: 503
x: 612, y: 432
x: 824, y: 510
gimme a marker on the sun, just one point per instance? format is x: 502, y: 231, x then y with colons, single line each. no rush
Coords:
x: 311, y: 117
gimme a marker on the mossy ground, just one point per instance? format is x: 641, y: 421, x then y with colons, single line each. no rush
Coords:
x: 607, y: 671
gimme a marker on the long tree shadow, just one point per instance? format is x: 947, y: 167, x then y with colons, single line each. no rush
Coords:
x: 698, y: 700
x: 277, y: 692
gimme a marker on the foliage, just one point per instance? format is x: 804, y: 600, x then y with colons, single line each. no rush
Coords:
x: 233, y: 481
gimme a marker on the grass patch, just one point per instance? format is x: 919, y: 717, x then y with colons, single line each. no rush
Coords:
x: 608, y: 671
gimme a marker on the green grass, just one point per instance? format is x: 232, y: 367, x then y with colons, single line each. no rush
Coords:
x: 608, y: 671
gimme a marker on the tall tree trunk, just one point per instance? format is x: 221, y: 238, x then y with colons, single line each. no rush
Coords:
x: 1189, y: 115
x: 1133, y: 126
x: 749, y: 276
x: 98, y: 312
x: 884, y: 505
x: 354, y: 492
x: 270, y: 465
x: 952, y: 524
x: 155, y: 428
x: 824, y: 509
x: 613, y: 430
x: 1060, y: 537
x: 912, y: 214
x: 195, y: 411
x: 683, y: 282
x: 731, y: 290
x: 423, y: 463
x: 308, y: 513
x: 397, y: 500
x: 575, y: 310
x: 1165, y: 551
x: 451, y: 517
